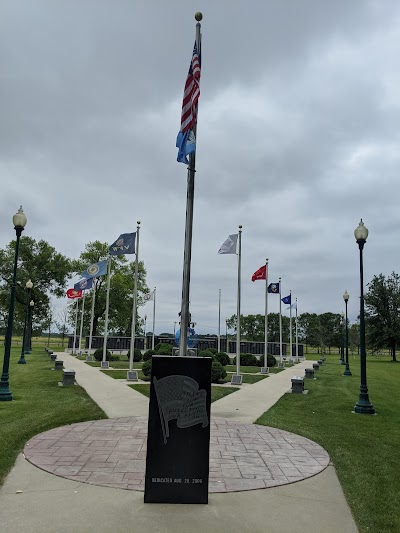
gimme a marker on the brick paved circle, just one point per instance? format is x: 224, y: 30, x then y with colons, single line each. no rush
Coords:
x: 112, y: 453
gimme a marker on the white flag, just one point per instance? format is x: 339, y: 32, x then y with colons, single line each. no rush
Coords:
x: 148, y: 297
x: 229, y: 246
x: 293, y: 306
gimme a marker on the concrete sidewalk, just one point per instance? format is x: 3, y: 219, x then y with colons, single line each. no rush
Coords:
x: 49, y: 503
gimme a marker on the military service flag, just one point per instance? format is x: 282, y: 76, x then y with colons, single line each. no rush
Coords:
x: 125, y: 244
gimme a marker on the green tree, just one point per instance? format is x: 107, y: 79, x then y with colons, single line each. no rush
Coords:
x: 49, y: 271
x: 382, y: 311
x: 121, y: 291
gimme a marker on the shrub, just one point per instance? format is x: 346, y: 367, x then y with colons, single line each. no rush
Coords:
x: 98, y: 355
x: 146, y: 368
x: 164, y: 349
x: 218, y: 372
x: 223, y: 358
x: 147, y: 355
x: 247, y: 359
x: 137, y: 354
x: 214, y: 351
x: 205, y: 353
x: 271, y: 360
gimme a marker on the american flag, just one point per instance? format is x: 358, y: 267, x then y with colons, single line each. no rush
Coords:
x: 191, y: 93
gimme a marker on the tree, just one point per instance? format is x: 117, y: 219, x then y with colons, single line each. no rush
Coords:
x: 382, y: 312
x: 121, y: 291
x: 252, y: 327
x: 48, y: 270
x: 62, y: 323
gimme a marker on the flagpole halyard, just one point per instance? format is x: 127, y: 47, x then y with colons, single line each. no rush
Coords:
x: 189, y: 224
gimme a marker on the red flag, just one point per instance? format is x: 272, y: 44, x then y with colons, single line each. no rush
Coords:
x: 261, y: 273
x: 72, y: 293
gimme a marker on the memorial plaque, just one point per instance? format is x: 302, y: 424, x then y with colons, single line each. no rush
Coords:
x: 236, y: 380
x: 132, y: 375
x: 264, y: 370
x: 178, y: 440
x: 105, y: 364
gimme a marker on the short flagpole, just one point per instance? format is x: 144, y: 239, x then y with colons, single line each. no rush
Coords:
x: 81, y: 328
x: 280, y: 322
x: 92, y: 316
x: 266, y: 317
x: 297, y: 338
x: 290, y: 325
x: 219, y: 320
x: 238, y: 308
x: 154, y: 318
x: 187, y: 256
x: 104, y: 363
x: 134, y: 306
x: 76, y: 325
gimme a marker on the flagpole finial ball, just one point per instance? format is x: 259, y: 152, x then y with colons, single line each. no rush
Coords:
x: 240, y: 226
x: 198, y: 16
x: 138, y: 222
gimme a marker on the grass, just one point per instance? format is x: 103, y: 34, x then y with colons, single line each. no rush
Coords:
x: 39, y: 404
x: 245, y: 369
x: 216, y: 392
x: 117, y: 364
x: 247, y: 378
x: 364, y: 449
x: 121, y: 374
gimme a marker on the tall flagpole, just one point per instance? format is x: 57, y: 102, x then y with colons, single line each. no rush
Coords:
x: 280, y: 322
x: 187, y: 256
x: 290, y: 325
x: 219, y: 320
x: 297, y: 338
x: 154, y: 318
x: 238, y: 304
x: 104, y: 363
x: 134, y: 306
x: 266, y: 317
x: 81, y: 329
x: 76, y: 325
x: 92, y: 316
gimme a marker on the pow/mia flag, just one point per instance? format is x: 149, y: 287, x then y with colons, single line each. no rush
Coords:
x: 180, y: 399
x: 125, y: 244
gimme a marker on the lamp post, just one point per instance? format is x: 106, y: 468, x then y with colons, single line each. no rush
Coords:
x: 347, y: 372
x: 363, y: 406
x: 342, y: 340
x: 19, y: 221
x: 28, y: 286
x: 29, y: 328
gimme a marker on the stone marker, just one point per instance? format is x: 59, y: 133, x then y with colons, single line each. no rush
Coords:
x: 315, y: 366
x: 264, y: 370
x: 309, y: 373
x: 178, y: 439
x: 58, y: 365
x: 132, y: 375
x: 236, y: 380
x: 68, y: 377
x: 105, y: 364
x: 297, y: 385
x: 53, y: 356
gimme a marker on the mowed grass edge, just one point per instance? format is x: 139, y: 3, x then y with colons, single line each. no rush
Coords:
x: 39, y: 405
x: 363, y: 448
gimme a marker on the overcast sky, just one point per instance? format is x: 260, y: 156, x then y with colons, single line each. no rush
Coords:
x: 298, y: 138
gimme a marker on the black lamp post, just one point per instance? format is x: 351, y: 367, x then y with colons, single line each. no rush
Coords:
x: 342, y: 339
x: 28, y: 286
x: 347, y: 369
x: 363, y: 406
x: 29, y: 327
x: 19, y: 221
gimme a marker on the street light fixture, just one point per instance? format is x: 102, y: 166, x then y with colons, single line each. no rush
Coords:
x: 342, y: 339
x: 347, y: 372
x: 28, y: 286
x: 19, y: 221
x: 363, y: 406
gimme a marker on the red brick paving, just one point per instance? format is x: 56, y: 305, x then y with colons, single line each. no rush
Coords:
x: 112, y: 453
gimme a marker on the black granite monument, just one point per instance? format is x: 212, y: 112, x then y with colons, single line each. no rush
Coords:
x: 178, y: 440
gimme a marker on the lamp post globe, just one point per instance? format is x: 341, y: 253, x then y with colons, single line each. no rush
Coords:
x: 19, y: 221
x: 363, y: 405
x: 28, y: 286
x: 347, y: 372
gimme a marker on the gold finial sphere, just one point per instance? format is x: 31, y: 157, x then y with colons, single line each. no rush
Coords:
x: 198, y: 16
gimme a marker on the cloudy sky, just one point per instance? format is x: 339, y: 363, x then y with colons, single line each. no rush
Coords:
x: 298, y: 138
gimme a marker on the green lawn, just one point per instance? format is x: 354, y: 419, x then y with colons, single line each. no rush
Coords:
x: 216, y: 392
x: 39, y: 404
x: 246, y: 369
x: 117, y: 364
x: 247, y: 378
x: 364, y: 449
x: 121, y: 374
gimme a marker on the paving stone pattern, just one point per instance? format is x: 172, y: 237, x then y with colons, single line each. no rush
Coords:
x: 112, y: 453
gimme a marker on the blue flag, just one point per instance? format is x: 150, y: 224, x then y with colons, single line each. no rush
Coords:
x: 97, y: 269
x: 125, y: 244
x: 186, y: 144
x: 83, y: 284
x: 287, y: 299
x: 274, y: 288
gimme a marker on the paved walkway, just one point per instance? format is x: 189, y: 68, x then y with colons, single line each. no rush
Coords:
x: 34, y: 501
